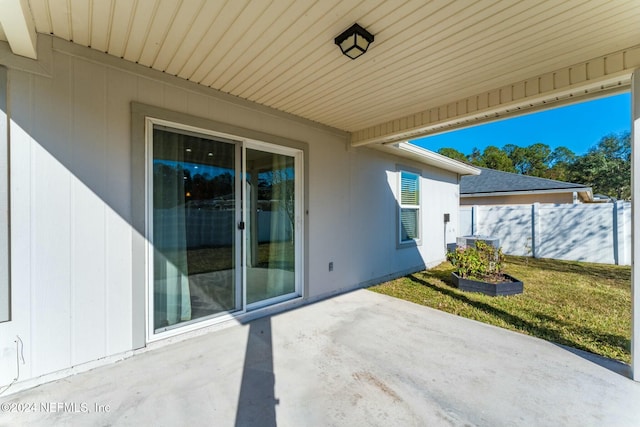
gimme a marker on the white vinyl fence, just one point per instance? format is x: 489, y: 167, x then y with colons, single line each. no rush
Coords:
x: 582, y: 232
x: 211, y: 228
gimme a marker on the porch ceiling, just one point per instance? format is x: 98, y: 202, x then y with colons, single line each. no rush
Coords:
x: 427, y: 56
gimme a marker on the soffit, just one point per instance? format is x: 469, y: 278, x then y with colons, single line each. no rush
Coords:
x: 281, y: 53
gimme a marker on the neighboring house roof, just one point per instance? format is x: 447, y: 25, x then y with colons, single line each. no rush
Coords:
x: 498, y: 183
x: 419, y: 154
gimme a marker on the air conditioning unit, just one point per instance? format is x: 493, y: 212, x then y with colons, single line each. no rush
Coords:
x: 471, y: 240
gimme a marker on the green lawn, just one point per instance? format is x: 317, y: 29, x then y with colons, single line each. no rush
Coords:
x: 582, y: 305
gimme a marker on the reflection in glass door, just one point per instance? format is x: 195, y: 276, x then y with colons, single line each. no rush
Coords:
x: 194, y: 233
x: 224, y: 225
x: 270, y: 236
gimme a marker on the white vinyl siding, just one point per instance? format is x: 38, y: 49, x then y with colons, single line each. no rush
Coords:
x: 409, y: 208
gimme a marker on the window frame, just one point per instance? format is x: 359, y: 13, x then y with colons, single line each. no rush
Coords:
x: 417, y: 241
x: 140, y: 113
x: 242, y: 143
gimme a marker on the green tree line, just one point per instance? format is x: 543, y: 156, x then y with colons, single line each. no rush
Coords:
x: 606, y: 167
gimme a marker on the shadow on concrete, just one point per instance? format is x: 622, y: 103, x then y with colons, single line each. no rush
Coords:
x: 257, y: 401
x: 616, y: 366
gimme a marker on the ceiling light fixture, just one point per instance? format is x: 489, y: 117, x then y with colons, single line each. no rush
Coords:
x: 354, y: 41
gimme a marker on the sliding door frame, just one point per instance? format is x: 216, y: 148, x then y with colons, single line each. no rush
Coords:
x: 242, y: 144
x: 297, y: 156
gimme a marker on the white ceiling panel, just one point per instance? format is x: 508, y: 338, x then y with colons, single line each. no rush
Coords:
x: 80, y: 22
x: 120, y: 27
x: 280, y: 53
x: 41, y: 15
x: 243, y: 48
x: 144, y: 12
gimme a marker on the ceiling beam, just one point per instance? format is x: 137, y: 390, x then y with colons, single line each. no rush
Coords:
x: 19, y: 28
x: 598, y: 77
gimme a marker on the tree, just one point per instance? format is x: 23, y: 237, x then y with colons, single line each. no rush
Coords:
x: 495, y: 158
x: 475, y: 158
x: 561, y: 161
x: 616, y: 146
x: 607, y: 166
x: 452, y: 153
x: 532, y: 160
x: 562, y: 155
x: 517, y: 156
x: 537, y: 156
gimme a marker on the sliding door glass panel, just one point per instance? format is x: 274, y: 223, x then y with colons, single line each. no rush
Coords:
x: 270, y: 232
x: 194, y: 203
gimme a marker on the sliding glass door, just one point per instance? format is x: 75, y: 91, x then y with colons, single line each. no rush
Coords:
x: 271, y: 226
x: 224, y: 225
x: 194, y: 233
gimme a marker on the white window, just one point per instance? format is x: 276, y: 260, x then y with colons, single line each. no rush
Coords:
x: 409, y: 208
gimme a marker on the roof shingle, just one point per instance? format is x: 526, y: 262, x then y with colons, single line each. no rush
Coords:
x: 493, y: 181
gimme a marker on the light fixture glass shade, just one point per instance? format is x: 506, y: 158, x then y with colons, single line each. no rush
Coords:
x: 346, y: 45
x: 354, y: 41
x: 362, y: 43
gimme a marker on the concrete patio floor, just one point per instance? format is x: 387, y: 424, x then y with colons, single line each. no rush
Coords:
x: 358, y: 359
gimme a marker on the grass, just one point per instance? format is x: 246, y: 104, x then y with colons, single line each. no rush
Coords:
x: 582, y: 305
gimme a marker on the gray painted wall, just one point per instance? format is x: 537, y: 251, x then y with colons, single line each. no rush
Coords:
x: 71, y: 202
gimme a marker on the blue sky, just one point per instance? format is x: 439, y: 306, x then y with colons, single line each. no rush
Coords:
x: 577, y: 127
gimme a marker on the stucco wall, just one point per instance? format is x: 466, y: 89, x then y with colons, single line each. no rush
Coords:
x: 71, y: 204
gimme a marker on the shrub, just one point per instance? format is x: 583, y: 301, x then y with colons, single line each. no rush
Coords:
x: 481, y: 262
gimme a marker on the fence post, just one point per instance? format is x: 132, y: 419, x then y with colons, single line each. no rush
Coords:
x: 616, y: 232
x: 535, y: 229
x: 623, y: 233
x: 626, y: 220
x: 474, y: 220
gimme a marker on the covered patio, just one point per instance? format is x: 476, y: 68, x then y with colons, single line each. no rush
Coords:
x: 357, y: 359
x: 79, y: 78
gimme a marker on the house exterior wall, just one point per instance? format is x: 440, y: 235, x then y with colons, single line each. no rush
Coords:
x: 524, y: 199
x: 74, y: 255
